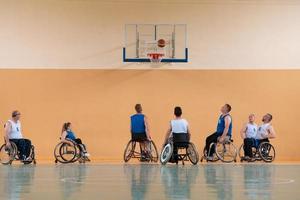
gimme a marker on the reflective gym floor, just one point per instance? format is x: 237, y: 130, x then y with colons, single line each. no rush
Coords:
x: 147, y: 181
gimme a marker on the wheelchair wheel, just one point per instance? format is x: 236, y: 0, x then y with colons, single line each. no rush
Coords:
x: 166, y: 153
x: 242, y: 152
x: 7, y: 155
x: 129, y: 150
x: 33, y: 154
x: 153, y: 152
x: 192, y: 154
x: 32, y: 157
x: 66, y: 153
x: 226, y: 152
x: 266, y: 151
x: 204, y: 157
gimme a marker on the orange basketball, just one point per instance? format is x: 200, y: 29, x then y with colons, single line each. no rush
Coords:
x: 161, y: 43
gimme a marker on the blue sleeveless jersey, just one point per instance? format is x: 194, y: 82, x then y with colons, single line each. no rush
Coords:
x: 138, y: 123
x: 221, y: 125
x: 70, y: 135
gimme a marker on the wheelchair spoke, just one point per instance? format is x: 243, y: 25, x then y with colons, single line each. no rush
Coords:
x: 166, y: 153
x: 130, y: 151
x: 266, y: 152
x: 192, y: 154
x: 226, y: 152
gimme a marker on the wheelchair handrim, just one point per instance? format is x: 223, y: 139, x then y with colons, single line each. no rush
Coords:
x: 166, y: 153
x: 241, y: 152
x: 61, y: 153
x: 59, y: 157
x: 215, y: 158
x: 4, y: 152
x: 127, y: 156
x: 153, y: 149
x: 264, y: 148
x: 223, y: 153
x: 192, y: 154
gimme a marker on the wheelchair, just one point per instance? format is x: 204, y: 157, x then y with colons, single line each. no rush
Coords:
x: 224, y: 151
x: 178, y: 148
x: 8, y: 155
x: 131, y: 152
x: 261, y: 152
x: 69, y: 152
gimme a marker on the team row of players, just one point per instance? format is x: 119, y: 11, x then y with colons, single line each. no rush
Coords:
x: 251, y: 133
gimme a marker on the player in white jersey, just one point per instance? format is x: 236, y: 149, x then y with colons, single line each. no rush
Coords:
x: 248, y: 134
x: 266, y: 130
x: 264, y: 133
x: 177, y: 125
x: 13, y: 133
x: 178, y: 131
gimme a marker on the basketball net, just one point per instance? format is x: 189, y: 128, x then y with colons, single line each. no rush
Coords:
x: 155, y: 57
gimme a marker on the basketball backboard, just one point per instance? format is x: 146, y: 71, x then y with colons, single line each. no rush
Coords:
x: 142, y: 40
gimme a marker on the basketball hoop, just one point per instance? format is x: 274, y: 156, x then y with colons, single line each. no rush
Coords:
x: 155, y: 57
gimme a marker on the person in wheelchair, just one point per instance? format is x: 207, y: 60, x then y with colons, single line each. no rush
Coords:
x: 264, y: 133
x: 248, y: 134
x: 68, y: 134
x: 139, y: 128
x: 224, y: 130
x: 178, y: 132
x: 13, y: 133
x: 266, y: 130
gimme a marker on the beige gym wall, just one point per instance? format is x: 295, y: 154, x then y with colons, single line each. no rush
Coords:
x: 90, y: 33
x: 99, y: 103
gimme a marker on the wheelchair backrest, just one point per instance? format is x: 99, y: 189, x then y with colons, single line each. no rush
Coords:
x: 180, y: 138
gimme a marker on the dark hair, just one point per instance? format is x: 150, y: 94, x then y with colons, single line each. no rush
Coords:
x: 65, y: 126
x: 177, y: 111
x: 270, y: 116
x: 15, y: 113
x: 228, y: 107
x: 138, y: 108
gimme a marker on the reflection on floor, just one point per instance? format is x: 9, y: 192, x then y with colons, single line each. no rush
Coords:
x: 136, y: 182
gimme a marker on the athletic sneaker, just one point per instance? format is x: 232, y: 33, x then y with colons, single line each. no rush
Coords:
x: 144, y: 157
x: 251, y: 159
x: 28, y: 159
x: 210, y: 158
x: 246, y: 158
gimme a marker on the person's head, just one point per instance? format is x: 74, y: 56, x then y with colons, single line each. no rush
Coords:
x: 267, y: 118
x: 16, y: 115
x: 251, y: 118
x: 226, y: 109
x: 66, y: 126
x: 138, y: 108
x: 177, y: 111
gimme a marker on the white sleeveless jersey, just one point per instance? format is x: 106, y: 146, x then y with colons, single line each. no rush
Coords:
x: 15, y: 132
x: 179, y: 126
x: 251, y: 130
x: 262, y: 131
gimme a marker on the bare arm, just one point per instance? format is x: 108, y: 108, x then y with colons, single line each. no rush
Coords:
x: 7, y: 130
x: 189, y: 132
x: 168, y: 134
x: 272, y: 133
x: 147, y: 128
x: 227, y: 124
x: 243, y: 131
